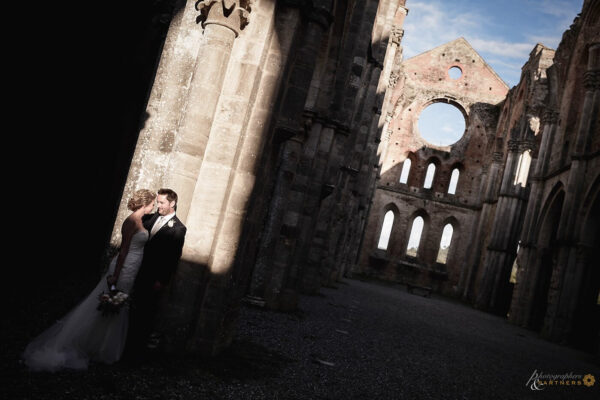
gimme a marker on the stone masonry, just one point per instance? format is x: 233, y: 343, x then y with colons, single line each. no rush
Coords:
x: 284, y: 127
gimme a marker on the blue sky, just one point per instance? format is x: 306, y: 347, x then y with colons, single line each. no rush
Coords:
x: 502, y: 32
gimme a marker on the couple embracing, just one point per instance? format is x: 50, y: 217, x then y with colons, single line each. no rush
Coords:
x: 151, y: 245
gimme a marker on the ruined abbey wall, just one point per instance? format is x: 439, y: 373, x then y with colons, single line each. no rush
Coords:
x: 284, y: 127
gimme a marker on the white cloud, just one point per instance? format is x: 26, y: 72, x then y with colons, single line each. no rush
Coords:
x: 502, y: 48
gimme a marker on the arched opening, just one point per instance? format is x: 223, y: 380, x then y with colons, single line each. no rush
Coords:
x: 453, y: 181
x: 414, y: 240
x: 586, y: 319
x: 405, y: 171
x: 429, y: 176
x: 445, y: 242
x: 386, y: 230
x: 442, y: 123
x: 548, y: 248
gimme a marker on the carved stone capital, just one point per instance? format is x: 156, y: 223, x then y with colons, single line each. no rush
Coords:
x: 513, y: 146
x: 591, y: 80
x: 393, y: 81
x: 397, y: 34
x: 550, y: 116
x: 319, y: 15
x: 497, y: 157
x: 232, y: 14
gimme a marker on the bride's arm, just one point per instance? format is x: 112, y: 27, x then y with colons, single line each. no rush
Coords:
x: 127, y: 231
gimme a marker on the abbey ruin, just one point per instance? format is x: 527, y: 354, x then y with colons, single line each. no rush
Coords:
x: 289, y: 130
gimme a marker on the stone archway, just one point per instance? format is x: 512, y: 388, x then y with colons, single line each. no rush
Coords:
x: 547, y: 254
x: 585, y: 330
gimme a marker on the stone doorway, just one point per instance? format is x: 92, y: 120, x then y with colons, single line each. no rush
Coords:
x: 547, y: 243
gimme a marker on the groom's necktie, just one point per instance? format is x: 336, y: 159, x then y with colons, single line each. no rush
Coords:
x: 156, y: 226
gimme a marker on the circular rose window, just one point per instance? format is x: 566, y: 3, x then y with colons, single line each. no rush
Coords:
x: 441, y: 124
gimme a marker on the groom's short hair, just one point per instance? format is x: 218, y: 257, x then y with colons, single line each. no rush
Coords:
x: 171, y: 195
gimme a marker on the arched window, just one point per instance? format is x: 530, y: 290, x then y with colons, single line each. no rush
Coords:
x: 453, y: 181
x: 386, y: 230
x: 405, y: 171
x: 445, y: 244
x: 523, y: 168
x: 429, y: 176
x: 415, y: 237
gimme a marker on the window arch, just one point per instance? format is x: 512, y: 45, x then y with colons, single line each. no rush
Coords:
x: 415, y: 236
x: 445, y: 242
x: 453, y: 181
x: 405, y: 170
x: 523, y: 168
x: 429, y: 176
x: 386, y: 230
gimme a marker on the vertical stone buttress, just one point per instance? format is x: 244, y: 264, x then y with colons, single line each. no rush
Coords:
x: 494, y: 293
x: 167, y: 99
x: 469, y: 271
x: 526, y: 277
x: 377, y: 144
x: 222, y: 21
x: 354, y: 100
x: 568, y: 272
x: 270, y: 271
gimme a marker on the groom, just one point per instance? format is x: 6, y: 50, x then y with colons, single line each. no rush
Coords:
x: 161, y: 256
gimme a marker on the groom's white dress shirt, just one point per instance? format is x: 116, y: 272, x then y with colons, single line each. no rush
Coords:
x: 160, y: 222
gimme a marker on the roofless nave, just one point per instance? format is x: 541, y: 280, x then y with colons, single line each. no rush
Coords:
x: 290, y: 131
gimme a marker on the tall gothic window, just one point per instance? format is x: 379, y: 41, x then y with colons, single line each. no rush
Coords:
x: 453, y: 181
x: 429, y: 176
x: 523, y: 168
x: 386, y: 230
x: 405, y: 171
x: 445, y: 244
x: 415, y: 237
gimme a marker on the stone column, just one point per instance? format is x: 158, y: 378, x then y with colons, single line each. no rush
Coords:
x: 470, y: 267
x: 273, y: 256
x: 222, y: 21
x: 565, y: 284
x: 164, y: 110
x: 494, y: 291
x: 524, y: 288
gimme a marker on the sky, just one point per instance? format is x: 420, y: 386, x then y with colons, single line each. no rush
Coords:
x: 502, y: 32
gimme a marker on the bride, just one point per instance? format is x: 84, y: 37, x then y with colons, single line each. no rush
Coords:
x: 85, y: 333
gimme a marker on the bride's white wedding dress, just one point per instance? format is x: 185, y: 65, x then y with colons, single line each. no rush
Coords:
x: 85, y: 334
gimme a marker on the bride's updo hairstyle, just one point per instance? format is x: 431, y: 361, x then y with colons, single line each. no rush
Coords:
x: 140, y: 198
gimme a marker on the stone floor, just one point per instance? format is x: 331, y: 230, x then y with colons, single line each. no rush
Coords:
x: 361, y: 340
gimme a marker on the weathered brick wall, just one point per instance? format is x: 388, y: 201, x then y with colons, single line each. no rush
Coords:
x: 477, y: 93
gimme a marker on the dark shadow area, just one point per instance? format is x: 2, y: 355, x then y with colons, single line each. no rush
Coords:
x: 246, y: 360
x: 93, y: 69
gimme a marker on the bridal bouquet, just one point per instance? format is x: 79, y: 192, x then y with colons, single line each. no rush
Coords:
x: 112, y: 302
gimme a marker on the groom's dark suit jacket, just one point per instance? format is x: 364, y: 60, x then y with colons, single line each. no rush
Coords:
x: 162, y: 251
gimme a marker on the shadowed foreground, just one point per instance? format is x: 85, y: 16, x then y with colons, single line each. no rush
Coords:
x: 358, y: 341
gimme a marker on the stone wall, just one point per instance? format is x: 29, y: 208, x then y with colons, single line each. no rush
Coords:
x: 263, y: 118
x: 477, y: 93
x: 557, y: 285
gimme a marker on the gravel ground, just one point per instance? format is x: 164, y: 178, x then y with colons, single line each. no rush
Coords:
x: 360, y: 340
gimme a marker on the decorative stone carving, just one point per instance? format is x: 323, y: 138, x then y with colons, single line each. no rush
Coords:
x: 591, y: 80
x: 393, y: 81
x: 233, y: 14
x: 397, y: 34
x: 550, y: 117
